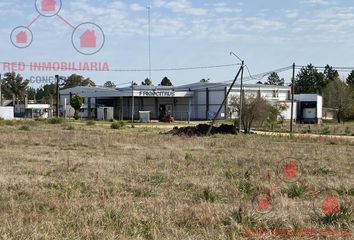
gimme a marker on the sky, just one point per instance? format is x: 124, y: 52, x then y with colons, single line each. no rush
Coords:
x: 267, y: 34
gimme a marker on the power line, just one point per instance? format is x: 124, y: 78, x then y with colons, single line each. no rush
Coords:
x: 340, y: 69
x: 134, y: 70
x: 246, y: 79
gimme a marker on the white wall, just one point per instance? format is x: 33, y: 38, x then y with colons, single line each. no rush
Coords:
x: 7, y: 113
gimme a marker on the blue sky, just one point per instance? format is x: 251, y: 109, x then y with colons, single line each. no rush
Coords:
x: 267, y: 34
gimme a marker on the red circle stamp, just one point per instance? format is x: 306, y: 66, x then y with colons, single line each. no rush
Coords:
x: 290, y: 170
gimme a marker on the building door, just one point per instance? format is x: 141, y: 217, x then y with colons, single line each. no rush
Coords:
x: 162, y: 111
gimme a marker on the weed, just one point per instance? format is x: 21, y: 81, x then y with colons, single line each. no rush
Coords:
x: 245, y: 187
x: 69, y: 128
x: 190, y: 157
x: 326, y: 131
x: 118, y: 125
x: 323, y: 170
x: 24, y: 128
x: 143, y: 192
x: 209, y: 195
x: 298, y: 191
x: 90, y: 123
x: 55, y: 120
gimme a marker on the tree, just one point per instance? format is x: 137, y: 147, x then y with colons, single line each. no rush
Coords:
x: 166, y: 82
x: 146, y: 82
x: 205, y: 80
x: 14, y: 86
x: 330, y: 74
x: 76, y: 103
x: 253, y: 109
x: 45, y: 94
x: 274, y: 79
x: 350, y: 79
x: 77, y: 80
x: 337, y: 95
x: 109, y: 84
x: 31, y: 93
x: 309, y: 80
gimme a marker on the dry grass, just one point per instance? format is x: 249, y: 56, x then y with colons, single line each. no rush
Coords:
x: 74, y: 181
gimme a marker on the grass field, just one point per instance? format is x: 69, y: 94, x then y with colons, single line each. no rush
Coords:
x: 75, y: 181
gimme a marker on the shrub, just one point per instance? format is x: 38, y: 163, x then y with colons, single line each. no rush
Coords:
x: 190, y: 157
x: 298, y: 191
x: 90, y: 123
x: 24, y: 128
x: 69, y: 128
x: 115, y: 125
x: 9, y: 122
x: 326, y: 131
x: 55, y: 120
x: 121, y: 123
x: 118, y: 125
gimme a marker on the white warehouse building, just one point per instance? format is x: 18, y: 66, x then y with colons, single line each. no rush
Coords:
x: 198, y: 101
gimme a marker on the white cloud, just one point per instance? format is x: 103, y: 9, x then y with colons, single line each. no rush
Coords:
x: 181, y: 6
x: 291, y: 13
x: 137, y: 7
x: 319, y: 2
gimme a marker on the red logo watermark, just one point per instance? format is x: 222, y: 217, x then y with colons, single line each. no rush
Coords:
x: 87, y: 38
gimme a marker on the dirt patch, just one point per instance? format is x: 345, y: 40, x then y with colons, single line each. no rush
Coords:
x: 202, y: 130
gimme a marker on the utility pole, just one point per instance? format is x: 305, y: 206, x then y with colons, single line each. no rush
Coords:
x: 225, y: 99
x: 58, y: 96
x: 133, y: 102
x: 241, y: 99
x: 0, y: 91
x: 292, y: 101
x: 149, y: 36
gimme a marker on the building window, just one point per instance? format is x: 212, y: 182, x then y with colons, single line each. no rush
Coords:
x: 275, y: 94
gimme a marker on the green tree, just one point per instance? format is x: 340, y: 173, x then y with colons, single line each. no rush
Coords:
x: 109, y: 84
x: 254, y: 109
x: 77, y: 80
x: 31, y: 93
x: 338, y: 95
x: 274, y: 79
x: 45, y: 94
x: 76, y: 103
x: 146, y: 82
x: 330, y: 74
x: 166, y: 82
x: 14, y: 86
x: 309, y: 80
x: 350, y: 79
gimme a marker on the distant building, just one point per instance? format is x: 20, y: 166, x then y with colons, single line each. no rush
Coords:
x: 33, y: 111
x: 198, y: 101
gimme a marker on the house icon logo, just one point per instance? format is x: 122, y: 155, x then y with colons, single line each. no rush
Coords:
x: 48, y: 5
x: 21, y: 37
x: 88, y: 39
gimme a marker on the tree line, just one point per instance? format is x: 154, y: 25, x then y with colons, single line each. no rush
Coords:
x: 15, y: 87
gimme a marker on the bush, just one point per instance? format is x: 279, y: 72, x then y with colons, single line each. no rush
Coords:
x: 118, y: 125
x: 8, y: 122
x: 69, y: 128
x: 115, y: 125
x: 326, y: 131
x: 24, y: 128
x: 90, y: 123
x: 121, y: 124
x: 76, y: 117
x: 55, y: 120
